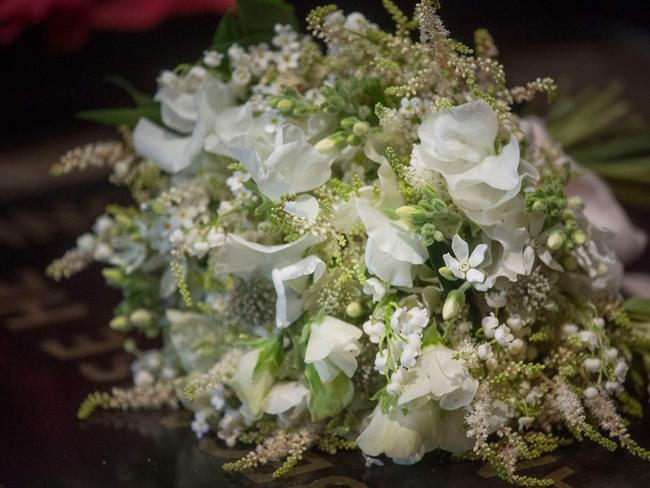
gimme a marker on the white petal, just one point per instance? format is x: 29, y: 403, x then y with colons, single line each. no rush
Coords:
x: 177, y: 109
x: 475, y: 276
x: 304, y: 207
x: 453, y: 265
x: 284, y: 396
x: 251, y: 389
x: 460, y: 248
x: 478, y: 255
x: 237, y: 255
x: 289, y: 282
x: 169, y: 151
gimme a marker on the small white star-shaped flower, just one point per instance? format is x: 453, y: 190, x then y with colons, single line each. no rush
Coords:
x: 464, y: 265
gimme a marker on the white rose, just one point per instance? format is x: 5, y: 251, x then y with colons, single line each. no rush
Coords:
x: 332, y: 348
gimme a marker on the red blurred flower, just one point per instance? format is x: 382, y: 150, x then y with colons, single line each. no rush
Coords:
x: 68, y: 22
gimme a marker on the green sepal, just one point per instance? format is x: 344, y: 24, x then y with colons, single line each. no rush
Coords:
x: 327, y: 399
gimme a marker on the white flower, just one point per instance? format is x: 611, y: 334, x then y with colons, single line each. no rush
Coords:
x: 375, y: 329
x: 380, y: 361
x: 489, y: 324
x: 503, y: 335
x: 356, y: 22
x: 230, y: 426
x: 496, y: 298
x: 484, y: 351
x: 282, y: 264
x: 411, y: 351
x: 285, y: 164
x: 391, y: 249
x: 200, y: 424
x: 236, y: 181
x: 403, y: 437
x: 287, y: 400
x: 218, y: 398
x: 441, y: 377
x: 212, y: 59
x: 241, y: 76
x: 251, y: 389
x: 589, y: 338
x: 409, y: 321
x: 396, y: 380
x: 289, y: 283
x: 621, y: 370
x: 174, y: 153
x: 591, y: 392
x: 464, y: 265
x: 459, y: 143
x: 375, y: 288
x: 285, y: 37
x: 332, y: 348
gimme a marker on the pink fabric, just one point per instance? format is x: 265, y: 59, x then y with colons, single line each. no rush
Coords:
x: 68, y: 22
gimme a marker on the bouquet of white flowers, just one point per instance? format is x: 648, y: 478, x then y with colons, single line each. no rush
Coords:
x: 351, y: 239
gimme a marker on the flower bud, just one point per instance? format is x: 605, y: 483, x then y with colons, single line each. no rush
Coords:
x: 591, y: 392
x: 446, y: 273
x: 349, y: 123
x: 575, y: 202
x: 141, y: 318
x: 453, y: 304
x: 539, y: 206
x: 329, y: 145
x: 570, y: 263
x: 120, y: 322
x: 555, y: 240
x: 285, y: 105
x: 405, y: 212
x: 354, y: 310
x: 592, y: 364
x: 361, y: 128
x: 113, y: 275
x: 579, y: 237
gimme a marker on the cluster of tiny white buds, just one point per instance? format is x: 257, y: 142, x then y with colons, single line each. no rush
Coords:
x: 212, y: 59
x: 200, y: 424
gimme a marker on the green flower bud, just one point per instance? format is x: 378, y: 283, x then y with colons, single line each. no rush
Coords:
x: 121, y: 322
x: 329, y: 145
x: 569, y: 245
x: 354, y: 310
x: 353, y: 140
x: 446, y: 273
x: 539, y: 206
x: 555, y: 240
x: 567, y: 215
x: 361, y: 128
x: 349, y: 122
x: 113, y: 276
x: 285, y: 105
x: 579, y: 237
x: 141, y: 318
x: 570, y: 224
x: 453, y: 304
x: 405, y: 212
x: 438, y: 236
x: 575, y: 202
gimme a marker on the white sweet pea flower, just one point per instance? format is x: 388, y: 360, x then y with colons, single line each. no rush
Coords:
x: 441, y: 377
x: 403, y: 437
x: 285, y: 163
x: 281, y: 264
x: 289, y: 283
x: 251, y: 389
x: 287, y: 400
x: 464, y: 265
x: 173, y: 152
x: 392, y: 249
x: 332, y: 348
x: 459, y: 144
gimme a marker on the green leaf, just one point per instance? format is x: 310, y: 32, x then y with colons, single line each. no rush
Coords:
x: 327, y: 399
x: 270, y: 356
x: 128, y: 116
x: 638, y: 308
x: 140, y: 99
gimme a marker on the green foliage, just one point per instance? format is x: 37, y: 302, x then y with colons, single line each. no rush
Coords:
x: 354, y: 97
x: 327, y: 399
x: 252, y: 23
x: 270, y: 356
x: 638, y: 309
x: 145, y: 107
x: 549, y: 199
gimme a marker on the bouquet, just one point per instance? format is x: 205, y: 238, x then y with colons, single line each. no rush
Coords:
x: 351, y: 240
